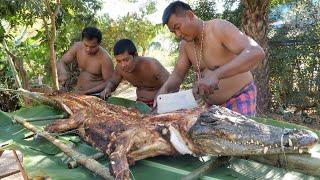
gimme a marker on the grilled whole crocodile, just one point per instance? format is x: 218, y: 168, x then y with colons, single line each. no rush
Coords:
x: 127, y: 136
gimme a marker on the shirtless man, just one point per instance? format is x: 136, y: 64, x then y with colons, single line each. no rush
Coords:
x: 94, y: 62
x: 221, y: 55
x: 144, y: 73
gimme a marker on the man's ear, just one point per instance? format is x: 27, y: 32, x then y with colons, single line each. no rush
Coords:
x: 190, y: 14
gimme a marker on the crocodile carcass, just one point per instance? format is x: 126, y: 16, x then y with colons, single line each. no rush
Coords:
x: 127, y: 136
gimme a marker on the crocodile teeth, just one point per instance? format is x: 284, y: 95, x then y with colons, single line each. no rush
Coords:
x: 265, y: 150
x: 251, y: 141
x: 164, y: 131
x: 290, y: 142
x: 300, y: 151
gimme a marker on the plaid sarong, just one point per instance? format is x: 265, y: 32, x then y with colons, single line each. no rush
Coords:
x: 147, y: 102
x: 244, y: 101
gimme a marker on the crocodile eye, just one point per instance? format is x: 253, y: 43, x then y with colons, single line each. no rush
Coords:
x: 206, y: 118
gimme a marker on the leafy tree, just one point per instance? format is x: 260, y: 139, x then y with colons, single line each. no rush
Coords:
x: 23, y: 29
x: 132, y: 26
x: 295, y: 57
x: 255, y: 24
x: 205, y: 9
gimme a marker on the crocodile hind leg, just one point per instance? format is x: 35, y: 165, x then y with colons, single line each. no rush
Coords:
x: 133, y: 145
x: 73, y: 122
x: 119, y: 166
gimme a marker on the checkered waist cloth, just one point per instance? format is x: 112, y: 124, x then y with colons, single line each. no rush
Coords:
x: 244, y: 101
x: 147, y: 102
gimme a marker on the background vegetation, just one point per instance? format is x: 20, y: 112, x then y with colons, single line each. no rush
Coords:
x: 288, y: 80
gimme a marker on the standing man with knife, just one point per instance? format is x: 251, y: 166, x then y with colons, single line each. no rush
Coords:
x: 221, y: 55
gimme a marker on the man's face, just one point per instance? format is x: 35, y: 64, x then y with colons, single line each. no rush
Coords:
x: 126, y: 62
x: 91, y: 45
x: 182, y: 27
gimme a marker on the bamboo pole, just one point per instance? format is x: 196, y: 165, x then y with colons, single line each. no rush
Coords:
x: 208, y: 166
x: 85, y: 161
x: 45, y: 100
x: 74, y: 164
x: 9, y: 174
x: 304, y: 163
x: 60, y: 116
x: 23, y: 172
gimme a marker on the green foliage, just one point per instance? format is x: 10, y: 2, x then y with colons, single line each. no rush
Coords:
x: 9, y: 101
x: 234, y: 16
x: 274, y: 3
x: 206, y: 10
x: 295, y: 59
x: 142, y: 107
x: 31, y: 44
x: 134, y: 27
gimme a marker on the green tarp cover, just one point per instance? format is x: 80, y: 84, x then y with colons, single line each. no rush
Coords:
x: 41, y: 158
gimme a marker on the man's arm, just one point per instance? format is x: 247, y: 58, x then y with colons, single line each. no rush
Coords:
x: 106, y: 71
x: 67, y: 58
x: 160, y: 74
x: 111, y: 84
x: 248, y: 52
x: 176, y: 78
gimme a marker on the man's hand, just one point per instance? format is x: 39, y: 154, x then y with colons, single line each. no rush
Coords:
x: 206, y: 85
x: 62, y: 78
x: 105, y: 93
x: 161, y: 91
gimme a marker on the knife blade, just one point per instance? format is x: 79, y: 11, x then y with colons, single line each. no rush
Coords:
x: 175, y: 101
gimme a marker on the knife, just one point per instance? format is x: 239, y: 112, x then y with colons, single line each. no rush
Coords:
x: 175, y: 101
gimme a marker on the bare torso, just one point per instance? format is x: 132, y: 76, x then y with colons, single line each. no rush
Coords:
x: 90, y: 68
x: 148, y: 77
x: 216, y: 54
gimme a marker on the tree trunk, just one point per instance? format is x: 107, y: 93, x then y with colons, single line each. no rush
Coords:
x: 255, y: 24
x: 18, y: 64
x: 144, y: 50
x: 52, y: 38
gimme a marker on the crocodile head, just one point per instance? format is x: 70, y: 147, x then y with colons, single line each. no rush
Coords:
x: 220, y: 131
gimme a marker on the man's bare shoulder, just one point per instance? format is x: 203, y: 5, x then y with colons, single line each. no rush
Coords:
x: 77, y: 45
x: 183, y: 44
x: 220, y: 26
x: 149, y: 61
x: 104, y: 54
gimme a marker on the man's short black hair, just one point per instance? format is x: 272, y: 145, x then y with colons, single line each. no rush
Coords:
x: 176, y: 8
x: 124, y: 45
x: 91, y: 33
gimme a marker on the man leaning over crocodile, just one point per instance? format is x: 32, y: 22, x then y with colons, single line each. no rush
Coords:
x: 94, y: 62
x: 144, y: 73
x: 221, y: 55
